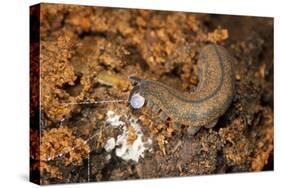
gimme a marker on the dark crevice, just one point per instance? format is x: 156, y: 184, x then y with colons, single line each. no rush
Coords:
x: 102, y: 34
x: 76, y: 89
x: 84, y: 34
x: 135, y: 57
x: 270, y: 164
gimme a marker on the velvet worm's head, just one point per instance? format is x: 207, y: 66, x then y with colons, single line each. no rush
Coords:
x: 135, y: 99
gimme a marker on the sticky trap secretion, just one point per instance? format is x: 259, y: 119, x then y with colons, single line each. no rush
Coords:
x: 118, y: 94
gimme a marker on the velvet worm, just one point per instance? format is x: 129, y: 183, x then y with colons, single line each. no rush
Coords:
x: 202, y: 107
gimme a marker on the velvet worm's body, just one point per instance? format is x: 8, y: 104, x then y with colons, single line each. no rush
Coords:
x: 202, y: 107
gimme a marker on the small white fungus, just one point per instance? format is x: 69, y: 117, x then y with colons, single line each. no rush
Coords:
x: 124, y: 150
x: 110, y: 145
x: 129, y: 151
x: 113, y: 119
x: 135, y: 150
x: 137, y: 101
x: 108, y: 157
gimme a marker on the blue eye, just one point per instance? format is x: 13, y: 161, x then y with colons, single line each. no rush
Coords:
x: 137, y: 101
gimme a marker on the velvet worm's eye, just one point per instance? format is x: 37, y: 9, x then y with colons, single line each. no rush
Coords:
x: 137, y: 101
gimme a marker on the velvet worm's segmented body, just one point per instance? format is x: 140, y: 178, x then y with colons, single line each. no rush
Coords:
x: 202, y: 107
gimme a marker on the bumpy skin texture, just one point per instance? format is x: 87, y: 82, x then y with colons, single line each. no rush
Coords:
x: 207, y: 103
